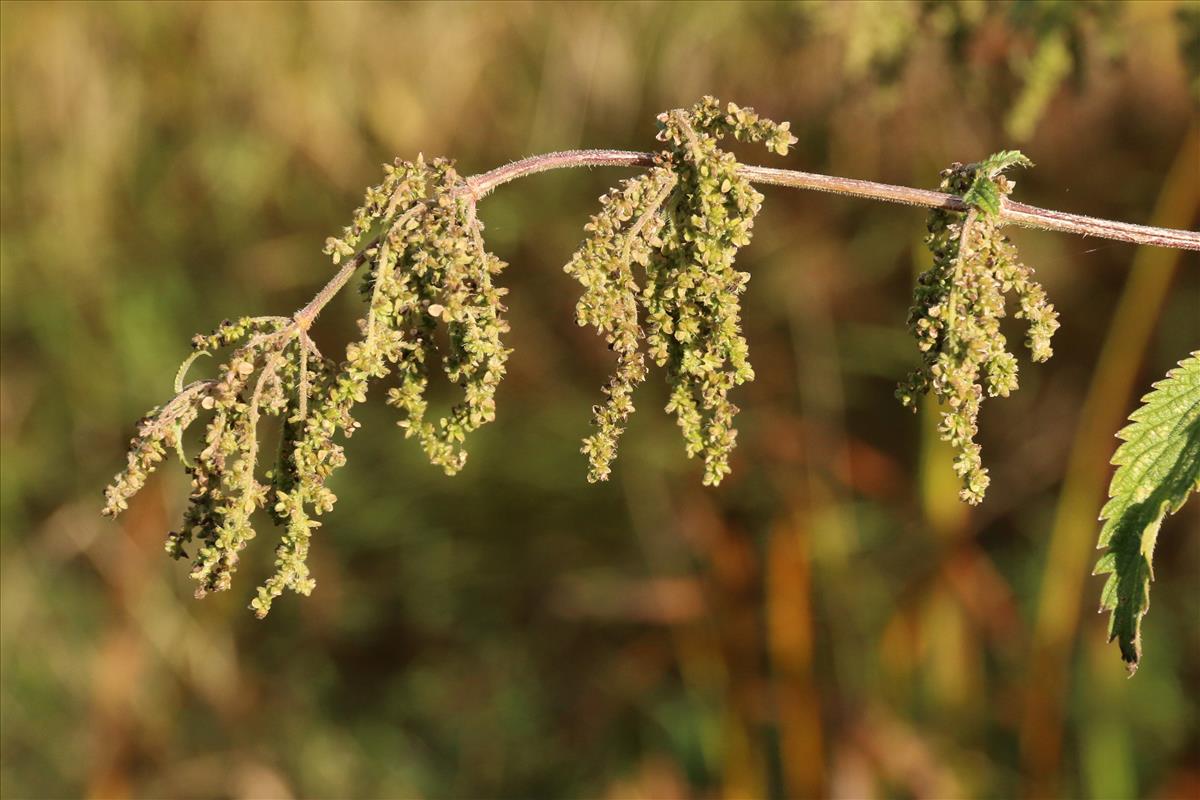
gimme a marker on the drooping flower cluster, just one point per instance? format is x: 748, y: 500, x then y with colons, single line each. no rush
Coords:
x: 439, y: 270
x: 624, y: 232
x: 426, y: 264
x: 683, y: 223
x: 957, y: 308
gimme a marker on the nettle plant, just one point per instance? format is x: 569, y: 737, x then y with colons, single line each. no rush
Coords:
x: 660, y: 286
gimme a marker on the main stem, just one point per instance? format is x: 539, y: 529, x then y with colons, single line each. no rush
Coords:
x: 1010, y: 212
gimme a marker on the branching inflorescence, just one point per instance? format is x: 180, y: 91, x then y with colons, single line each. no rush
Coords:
x: 683, y: 223
x: 658, y: 277
x: 426, y: 265
x: 957, y: 307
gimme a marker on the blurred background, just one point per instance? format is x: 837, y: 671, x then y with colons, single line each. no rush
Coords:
x: 830, y: 622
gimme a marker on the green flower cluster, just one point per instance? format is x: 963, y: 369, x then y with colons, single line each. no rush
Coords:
x: 259, y: 377
x: 957, y: 308
x: 436, y: 270
x: 426, y: 264
x: 626, y: 230
x: 683, y: 223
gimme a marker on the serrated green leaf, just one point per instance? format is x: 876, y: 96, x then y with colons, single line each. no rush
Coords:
x: 1158, y: 466
x: 984, y: 196
x: 983, y: 193
x: 996, y: 163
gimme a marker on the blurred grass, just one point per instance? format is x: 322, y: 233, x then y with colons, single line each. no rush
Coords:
x: 831, y: 621
x: 1110, y: 392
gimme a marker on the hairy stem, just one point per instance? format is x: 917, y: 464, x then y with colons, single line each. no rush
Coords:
x: 1028, y: 216
x: 1013, y: 213
x: 305, y: 316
